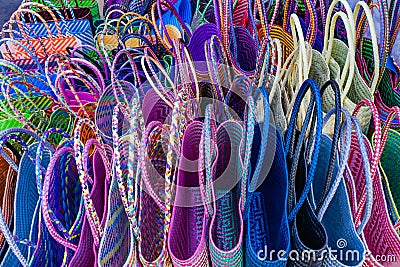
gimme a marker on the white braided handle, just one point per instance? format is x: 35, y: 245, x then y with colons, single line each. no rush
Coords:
x: 347, y: 73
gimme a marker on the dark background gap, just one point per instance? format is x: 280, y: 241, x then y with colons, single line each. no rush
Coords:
x: 7, y: 7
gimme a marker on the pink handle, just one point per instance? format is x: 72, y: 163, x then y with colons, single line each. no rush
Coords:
x: 376, y: 155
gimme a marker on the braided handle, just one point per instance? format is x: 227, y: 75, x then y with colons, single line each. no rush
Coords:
x: 78, y: 48
x: 93, y: 218
x: 46, y: 209
x: 208, y: 155
x: 289, y: 145
x: 23, y: 39
x: 338, y: 107
x: 20, y: 114
x: 187, y: 71
x: 117, y: 91
x: 349, y: 67
x: 165, y: 94
x: 124, y: 192
x: 161, y: 3
x: 215, y: 68
x: 21, y: 11
x: 100, y: 79
x: 150, y: 128
x: 246, y: 146
x: 80, y: 149
x: 375, y: 47
x: 136, y: 16
x: 65, y: 78
x: 32, y: 56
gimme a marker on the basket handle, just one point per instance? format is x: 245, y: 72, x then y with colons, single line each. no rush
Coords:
x: 21, y: 11
x: 103, y: 61
x: 5, y: 136
x: 330, y: 26
x: 160, y: 89
x: 100, y: 44
x: 376, y: 154
x: 278, y: 47
x: 212, y: 65
x: 289, y: 145
x: 375, y: 47
x: 63, y: 63
x: 246, y: 146
x: 311, y: 31
x: 103, y: 32
x: 264, y: 59
x: 19, y: 114
x: 148, y: 24
x: 101, y: 86
x: 93, y: 218
x: 378, y: 150
x: 135, y: 16
x: 329, y: 15
x: 303, y: 67
x: 117, y: 91
x: 208, y: 154
x: 298, y: 40
x: 263, y: 19
x: 128, y: 192
x: 48, y: 219
x: 79, y: 150
x: 51, y: 11
x: 27, y: 40
x: 335, y: 140
x: 33, y: 57
x: 159, y: 4
x: 88, y: 81
x: 4, y: 142
x: 143, y: 152
x: 175, y: 140
x: 349, y: 67
x: 187, y: 71
x: 346, y: 133
x: 39, y: 170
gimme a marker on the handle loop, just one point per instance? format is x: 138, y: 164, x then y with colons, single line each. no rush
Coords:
x: 289, y: 145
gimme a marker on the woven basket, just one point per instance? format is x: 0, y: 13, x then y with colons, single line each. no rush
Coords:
x: 152, y: 247
x: 26, y: 209
x: 389, y: 173
x: 187, y: 237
